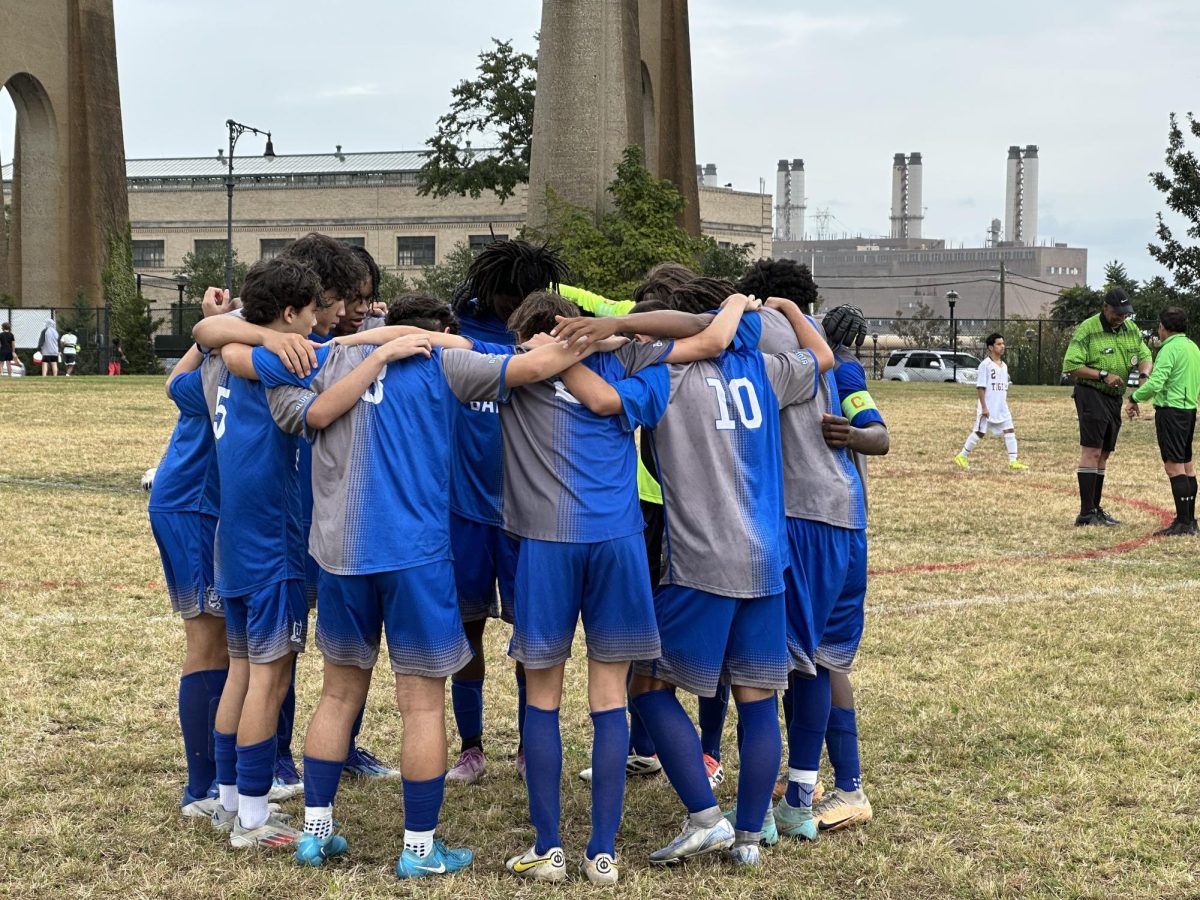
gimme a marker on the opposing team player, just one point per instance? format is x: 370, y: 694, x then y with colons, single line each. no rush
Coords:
x: 991, y: 409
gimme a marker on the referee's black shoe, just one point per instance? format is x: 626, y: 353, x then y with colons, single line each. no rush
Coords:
x: 1087, y: 518
x: 1177, y: 529
x: 1105, y: 518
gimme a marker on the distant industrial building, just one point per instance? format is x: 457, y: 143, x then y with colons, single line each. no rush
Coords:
x: 897, y: 274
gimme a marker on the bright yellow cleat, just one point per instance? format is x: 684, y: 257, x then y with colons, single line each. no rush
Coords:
x: 961, y: 462
x: 1017, y: 464
x: 842, y: 809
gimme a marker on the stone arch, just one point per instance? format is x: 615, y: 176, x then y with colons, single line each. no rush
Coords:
x: 36, y: 239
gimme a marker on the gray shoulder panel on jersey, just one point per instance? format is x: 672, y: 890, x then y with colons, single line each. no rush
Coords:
x: 212, y: 373
x: 636, y: 356
x: 288, y: 405
x: 793, y: 375
x: 473, y: 376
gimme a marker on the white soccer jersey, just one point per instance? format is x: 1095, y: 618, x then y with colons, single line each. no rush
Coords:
x: 994, y: 378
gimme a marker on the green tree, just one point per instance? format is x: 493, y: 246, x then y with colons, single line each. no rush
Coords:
x: 612, y: 256
x: 1116, y: 276
x: 923, y: 328
x: 729, y: 263
x: 128, y: 311
x: 392, y: 286
x: 206, y: 268
x: 442, y: 280
x: 1180, y: 183
x: 83, y: 320
x: 497, y: 108
x: 1074, y: 304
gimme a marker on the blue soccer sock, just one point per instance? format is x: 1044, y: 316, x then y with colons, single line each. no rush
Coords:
x: 678, y: 748
x: 811, y: 701
x: 761, y: 749
x: 423, y: 803
x: 842, y: 742
x: 199, y: 694
x: 255, y: 768
x: 467, y: 698
x: 543, y: 773
x: 640, y: 741
x: 711, y: 718
x: 225, y: 757
x: 287, y: 718
x: 519, y: 674
x: 787, y: 706
x: 321, y: 777
x: 610, y: 741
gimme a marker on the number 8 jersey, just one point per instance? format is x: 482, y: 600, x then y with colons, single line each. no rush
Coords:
x: 719, y: 460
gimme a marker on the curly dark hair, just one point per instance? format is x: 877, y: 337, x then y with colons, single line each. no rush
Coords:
x: 780, y: 278
x: 273, y: 285
x: 536, y: 314
x: 340, y: 269
x: 505, y: 273
x: 422, y: 311
x: 701, y: 295
x: 662, y: 280
x: 372, y: 268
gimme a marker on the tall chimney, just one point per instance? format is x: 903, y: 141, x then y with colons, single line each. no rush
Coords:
x: 710, y: 175
x: 898, y: 186
x: 799, y: 204
x: 783, y: 202
x: 916, y: 210
x: 994, y: 233
x: 1029, y: 213
x: 1012, y: 199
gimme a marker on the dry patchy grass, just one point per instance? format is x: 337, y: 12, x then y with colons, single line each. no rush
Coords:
x: 1030, y: 715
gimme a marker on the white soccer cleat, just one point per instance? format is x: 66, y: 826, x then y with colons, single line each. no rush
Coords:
x: 695, y: 840
x: 635, y: 764
x: 601, y: 870
x: 148, y: 478
x: 548, y: 866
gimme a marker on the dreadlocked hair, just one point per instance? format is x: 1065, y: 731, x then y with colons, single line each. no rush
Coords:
x: 661, y: 280
x: 506, y: 272
x: 422, y: 311
x: 536, y: 314
x: 780, y: 278
x: 372, y: 268
x: 340, y: 270
x: 701, y: 295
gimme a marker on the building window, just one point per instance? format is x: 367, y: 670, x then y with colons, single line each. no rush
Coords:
x: 354, y: 241
x: 478, y: 241
x: 149, y: 254
x: 204, y: 247
x: 269, y: 248
x: 724, y: 245
x: 415, y: 251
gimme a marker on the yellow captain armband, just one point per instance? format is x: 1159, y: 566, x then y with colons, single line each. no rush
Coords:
x: 859, y: 401
x: 594, y: 303
x: 648, y: 489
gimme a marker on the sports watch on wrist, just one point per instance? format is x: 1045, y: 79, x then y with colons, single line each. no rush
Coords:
x: 1103, y: 374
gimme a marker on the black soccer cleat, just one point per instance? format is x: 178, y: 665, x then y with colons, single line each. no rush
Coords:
x: 1177, y: 529
x: 1105, y: 518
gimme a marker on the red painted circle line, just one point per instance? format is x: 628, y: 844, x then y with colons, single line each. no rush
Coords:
x: 1165, y: 517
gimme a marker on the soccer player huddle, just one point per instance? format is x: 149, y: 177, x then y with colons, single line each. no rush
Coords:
x: 684, y: 473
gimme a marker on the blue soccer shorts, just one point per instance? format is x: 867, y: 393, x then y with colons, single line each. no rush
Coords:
x: 708, y: 639
x: 604, y: 583
x: 185, y: 543
x: 415, y: 608
x: 485, y: 556
x: 268, y: 624
x: 844, y: 630
x: 820, y: 557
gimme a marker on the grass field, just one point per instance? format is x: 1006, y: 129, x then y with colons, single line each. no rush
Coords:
x: 1029, y: 692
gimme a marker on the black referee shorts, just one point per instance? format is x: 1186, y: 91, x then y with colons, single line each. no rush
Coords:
x: 1175, y: 428
x: 1099, y: 418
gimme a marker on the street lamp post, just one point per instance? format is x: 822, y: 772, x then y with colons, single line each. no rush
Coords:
x: 875, y: 354
x: 236, y: 130
x: 951, y: 299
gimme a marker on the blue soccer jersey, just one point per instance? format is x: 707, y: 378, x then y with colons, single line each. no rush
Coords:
x: 259, y: 538
x: 476, y: 462
x: 187, y: 478
x: 717, y: 444
x: 382, y: 470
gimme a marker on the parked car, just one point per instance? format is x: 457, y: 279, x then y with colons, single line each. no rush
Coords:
x: 930, y: 365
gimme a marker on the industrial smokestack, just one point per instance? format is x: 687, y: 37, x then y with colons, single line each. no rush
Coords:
x: 799, y: 204
x: 994, y: 233
x: 916, y: 208
x: 1012, y: 199
x: 710, y: 175
x: 898, y: 185
x: 1029, y: 211
x: 783, y: 202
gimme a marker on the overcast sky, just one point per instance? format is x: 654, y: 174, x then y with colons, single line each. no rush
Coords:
x: 1089, y: 81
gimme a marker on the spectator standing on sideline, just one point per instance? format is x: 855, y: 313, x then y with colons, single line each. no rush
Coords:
x: 116, y: 356
x: 68, y: 345
x: 1174, y: 385
x: 48, y: 345
x: 7, y: 347
x: 1106, y: 352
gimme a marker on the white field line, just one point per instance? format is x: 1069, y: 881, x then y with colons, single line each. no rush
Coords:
x: 1027, y: 597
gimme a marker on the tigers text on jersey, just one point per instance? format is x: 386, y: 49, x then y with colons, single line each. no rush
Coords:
x: 570, y: 476
x: 381, y: 472
x: 820, y: 483
x: 187, y: 479
x: 716, y: 439
x: 259, y: 538
x: 994, y: 379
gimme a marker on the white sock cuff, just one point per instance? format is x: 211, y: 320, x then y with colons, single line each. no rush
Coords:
x: 802, y: 776
x: 419, y: 842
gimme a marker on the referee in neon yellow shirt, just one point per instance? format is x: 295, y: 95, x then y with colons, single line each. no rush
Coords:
x: 1174, y: 386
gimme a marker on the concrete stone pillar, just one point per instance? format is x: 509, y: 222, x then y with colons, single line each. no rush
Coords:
x: 668, y: 60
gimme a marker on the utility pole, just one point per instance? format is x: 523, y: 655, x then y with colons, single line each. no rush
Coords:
x: 1001, y: 293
